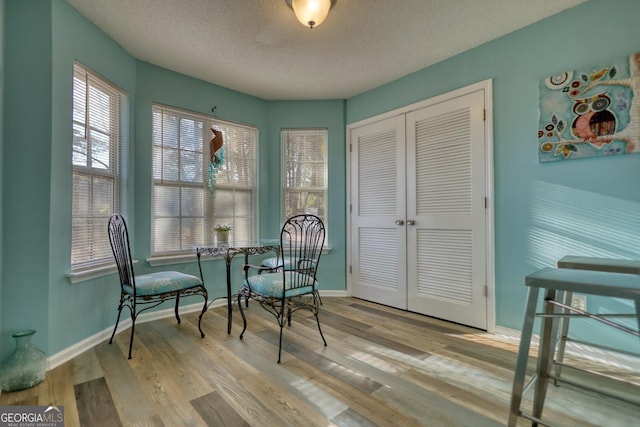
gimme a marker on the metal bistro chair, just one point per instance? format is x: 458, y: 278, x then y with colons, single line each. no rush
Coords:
x: 289, y: 289
x: 277, y: 263
x: 147, y: 290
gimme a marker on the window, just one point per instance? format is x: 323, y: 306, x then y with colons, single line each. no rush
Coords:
x: 184, y: 209
x: 99, y: 111
x: 305, y: 171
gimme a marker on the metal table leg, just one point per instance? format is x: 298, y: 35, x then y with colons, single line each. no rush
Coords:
x: 564, y: 332
x: 548, y: 339
x: 523, y: 356
x: 227, y: 260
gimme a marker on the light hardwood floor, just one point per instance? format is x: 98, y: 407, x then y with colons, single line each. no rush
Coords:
x: 381, y: 367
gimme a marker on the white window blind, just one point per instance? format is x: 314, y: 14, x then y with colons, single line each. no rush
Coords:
x: 99, y: 110
x: 184, y: 210
x: 305, y: 171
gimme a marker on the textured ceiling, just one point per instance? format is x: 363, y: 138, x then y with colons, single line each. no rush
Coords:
x: 259, y: 48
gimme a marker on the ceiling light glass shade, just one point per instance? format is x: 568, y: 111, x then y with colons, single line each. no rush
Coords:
x: 311, y: 13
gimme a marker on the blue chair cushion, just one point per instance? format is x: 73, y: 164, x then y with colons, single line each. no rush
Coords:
x: 271, y: 284
x: 275, y: 262
x: 162, y: 282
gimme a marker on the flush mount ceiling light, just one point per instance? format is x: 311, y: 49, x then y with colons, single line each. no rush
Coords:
x: 311, y: 13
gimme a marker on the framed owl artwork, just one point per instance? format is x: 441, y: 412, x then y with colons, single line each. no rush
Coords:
x: 590, y: 113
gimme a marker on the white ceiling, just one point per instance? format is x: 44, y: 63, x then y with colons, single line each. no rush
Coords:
x: 259, y: 48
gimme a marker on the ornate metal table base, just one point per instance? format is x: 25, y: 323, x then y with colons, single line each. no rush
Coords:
x: 228, y: 251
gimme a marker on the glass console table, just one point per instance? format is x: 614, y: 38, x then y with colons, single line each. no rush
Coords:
x: 228, y: 251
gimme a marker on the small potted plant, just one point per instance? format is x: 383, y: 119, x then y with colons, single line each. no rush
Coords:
x: 222, y: 232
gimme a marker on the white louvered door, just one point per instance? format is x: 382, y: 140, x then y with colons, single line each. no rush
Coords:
x: 446, y: 211
x: 418, y: 221
x: 378, y: 185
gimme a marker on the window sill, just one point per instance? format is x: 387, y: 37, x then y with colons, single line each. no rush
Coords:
x: 93, y: 273
x: 156, y: 261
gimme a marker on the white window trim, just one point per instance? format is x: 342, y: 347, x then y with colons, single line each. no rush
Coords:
x: 93, y: 272
x: 283, y: 187
x: 96, y: 268
x: 179, y: 257
x: 160, y: 260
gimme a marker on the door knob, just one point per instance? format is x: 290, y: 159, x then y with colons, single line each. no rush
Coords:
x: 399, y: 222
x: 411, y: 222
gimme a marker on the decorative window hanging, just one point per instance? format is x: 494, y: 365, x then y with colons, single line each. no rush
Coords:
x: 217, y: 157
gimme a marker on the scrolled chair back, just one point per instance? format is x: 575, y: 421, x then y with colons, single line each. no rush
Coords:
x: 301, y: 240
x: 119, y: 239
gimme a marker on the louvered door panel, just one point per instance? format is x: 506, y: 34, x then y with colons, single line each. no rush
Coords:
x: 378, y: 201
x: 377, y: 169
x: 374, y: 255
x: 445, y: 270
x: 443, y: 164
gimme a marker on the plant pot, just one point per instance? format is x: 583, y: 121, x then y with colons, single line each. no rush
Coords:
x: 222, y: 236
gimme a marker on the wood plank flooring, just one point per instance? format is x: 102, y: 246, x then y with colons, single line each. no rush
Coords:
x: 382, y: 367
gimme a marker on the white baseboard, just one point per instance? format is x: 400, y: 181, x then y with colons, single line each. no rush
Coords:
x: 600, y: 355
x: 125, y: 322
x: 334, y: 294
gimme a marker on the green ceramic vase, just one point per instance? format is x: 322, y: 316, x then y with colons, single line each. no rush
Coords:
x: 25, y: 367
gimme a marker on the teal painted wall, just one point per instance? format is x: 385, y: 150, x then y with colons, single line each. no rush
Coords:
x: 26, y: 170
x: 542, y: 211
x: 73, y: 38
x: 159, y: 85
x: 40, y: 266
x: 162, y: 86
x: 43, y: 40
x: 2, y: 27
x: 311, y: 114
